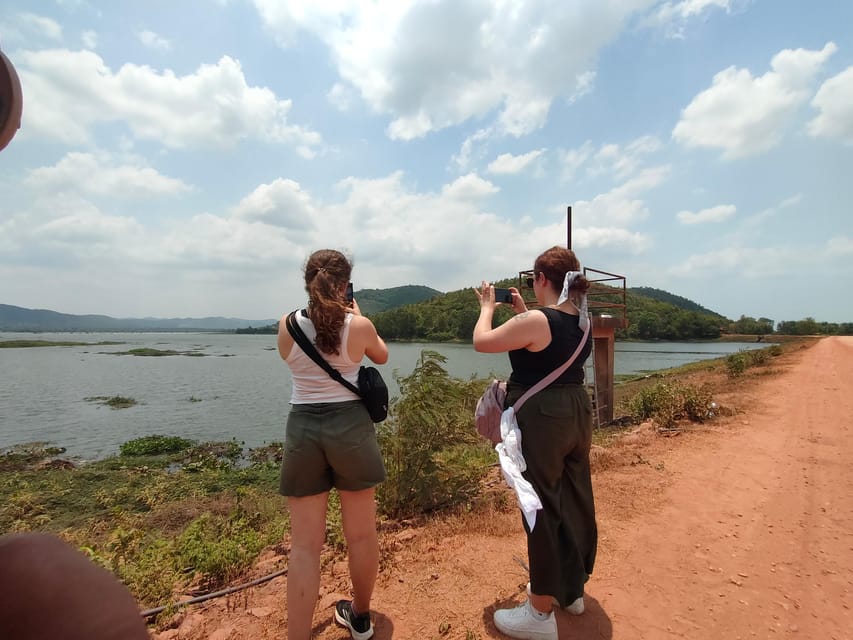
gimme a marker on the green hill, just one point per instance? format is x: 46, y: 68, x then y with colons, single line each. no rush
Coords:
x: 372, y: 301
x: 671, y: 298
x: 452, y: 316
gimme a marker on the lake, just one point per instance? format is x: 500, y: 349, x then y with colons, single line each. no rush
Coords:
x: 239, y: 390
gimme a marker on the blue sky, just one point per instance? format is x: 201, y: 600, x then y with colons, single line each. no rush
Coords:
x: 184, y: 158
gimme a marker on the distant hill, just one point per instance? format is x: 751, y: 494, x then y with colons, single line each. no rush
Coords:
x: 671, y: 298
x: 452, y: 316
x: 372, y: 301
x: 14, y: 318
x: 409, y: 312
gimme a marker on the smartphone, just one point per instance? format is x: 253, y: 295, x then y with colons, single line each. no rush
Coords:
x: 503, y: 295
x: 349, y: 293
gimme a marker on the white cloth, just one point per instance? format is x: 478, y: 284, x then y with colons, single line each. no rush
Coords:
x: 513, y: 464
x: 583, y: 319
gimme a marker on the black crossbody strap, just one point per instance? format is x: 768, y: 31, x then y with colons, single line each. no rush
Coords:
x: 310, y: 350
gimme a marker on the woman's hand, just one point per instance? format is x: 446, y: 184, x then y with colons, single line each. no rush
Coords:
x: 518, y: 305
x: 486, y: 295
x: 355, y: 309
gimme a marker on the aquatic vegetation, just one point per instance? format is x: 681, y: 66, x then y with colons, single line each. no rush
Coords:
x: 114, y: 402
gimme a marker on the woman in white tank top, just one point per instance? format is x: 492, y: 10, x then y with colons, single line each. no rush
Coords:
x: 330, y: 441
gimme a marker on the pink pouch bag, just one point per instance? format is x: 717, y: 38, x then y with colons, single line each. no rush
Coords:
x: 489, y: 409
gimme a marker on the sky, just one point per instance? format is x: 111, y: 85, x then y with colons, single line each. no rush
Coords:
x: 183, y: 159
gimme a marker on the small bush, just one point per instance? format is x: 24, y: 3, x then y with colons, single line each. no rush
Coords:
x: 759, y: 357
x: 155, y: 445
x: 668, y: 402
x: 434, y: 457
x: 217, y: 548
x: 736, y: 364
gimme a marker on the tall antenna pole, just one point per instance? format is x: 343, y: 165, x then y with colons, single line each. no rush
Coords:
x: 569, y: 227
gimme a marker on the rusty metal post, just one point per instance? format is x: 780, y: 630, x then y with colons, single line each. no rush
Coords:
x: 569, y: 227
x: 604, y: 351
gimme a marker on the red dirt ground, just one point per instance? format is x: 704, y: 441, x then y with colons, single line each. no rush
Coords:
x: 741, y: 528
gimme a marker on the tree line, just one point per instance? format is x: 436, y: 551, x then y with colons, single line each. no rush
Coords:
x: 652, y: 315
x: 452, y: 316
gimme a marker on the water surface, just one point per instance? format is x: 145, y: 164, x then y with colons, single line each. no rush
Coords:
x: 239, y: 389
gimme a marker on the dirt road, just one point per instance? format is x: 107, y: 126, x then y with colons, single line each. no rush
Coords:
x: 743, y: 529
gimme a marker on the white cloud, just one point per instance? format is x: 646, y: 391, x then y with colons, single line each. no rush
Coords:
x: 89, y: 39
x: 153, y: 41
x: 834, y: 101
x: 744, y: 115
x: 433, y: 65
x: 571, y: 160
x: 792, y: 201
x: 840, y: 246
x: 469, y: 187
x: 341, y: 96
x: 713, y: 214
x: 104, y: 175
x: 753, y: 223
x: 281, y: 203
x: 508, y: 163
x: 624, y: 161
x: 672, y: 16
x: 472, y: 145
x: 621, y: 207
x: 25, y: 27
x: 627, y: 241
x: 210, y: 244
x: 742, y: 262
x: 610, y: 158
x: 88, y: 233
x: 69, y: 93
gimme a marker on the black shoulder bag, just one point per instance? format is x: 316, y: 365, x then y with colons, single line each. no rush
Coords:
x: 371, y: 387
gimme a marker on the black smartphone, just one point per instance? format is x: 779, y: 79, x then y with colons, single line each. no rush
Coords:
x: 349, y: 293
x: 503, y: 295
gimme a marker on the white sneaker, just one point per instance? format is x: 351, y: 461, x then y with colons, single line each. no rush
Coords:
x: 575, y: 608
x: 520, y: 622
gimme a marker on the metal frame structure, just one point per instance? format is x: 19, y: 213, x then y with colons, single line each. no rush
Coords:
x: 607, y: 301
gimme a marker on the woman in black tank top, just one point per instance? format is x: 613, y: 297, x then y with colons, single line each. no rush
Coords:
x: 556, y: 428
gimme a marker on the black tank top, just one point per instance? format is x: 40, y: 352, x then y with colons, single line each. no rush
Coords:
x: 530, y: 367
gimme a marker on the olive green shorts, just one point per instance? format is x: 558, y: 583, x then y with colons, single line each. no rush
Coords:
x: 329, y: 444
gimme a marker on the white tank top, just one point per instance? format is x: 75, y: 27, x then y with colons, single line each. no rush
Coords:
x: 310, y: 382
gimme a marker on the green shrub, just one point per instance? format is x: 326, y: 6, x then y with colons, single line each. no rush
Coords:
x: 217, y: 547
x: 434, y: 457
x: 155, y: 445
x: 759, y: 357
x: 668, y: 402
x: 736, y: 364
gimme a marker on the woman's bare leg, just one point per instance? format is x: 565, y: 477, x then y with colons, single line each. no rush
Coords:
x: 307, y: 535
x: 358, y: 509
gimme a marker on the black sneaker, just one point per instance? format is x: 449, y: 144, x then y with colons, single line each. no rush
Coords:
x: 360, y: 627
